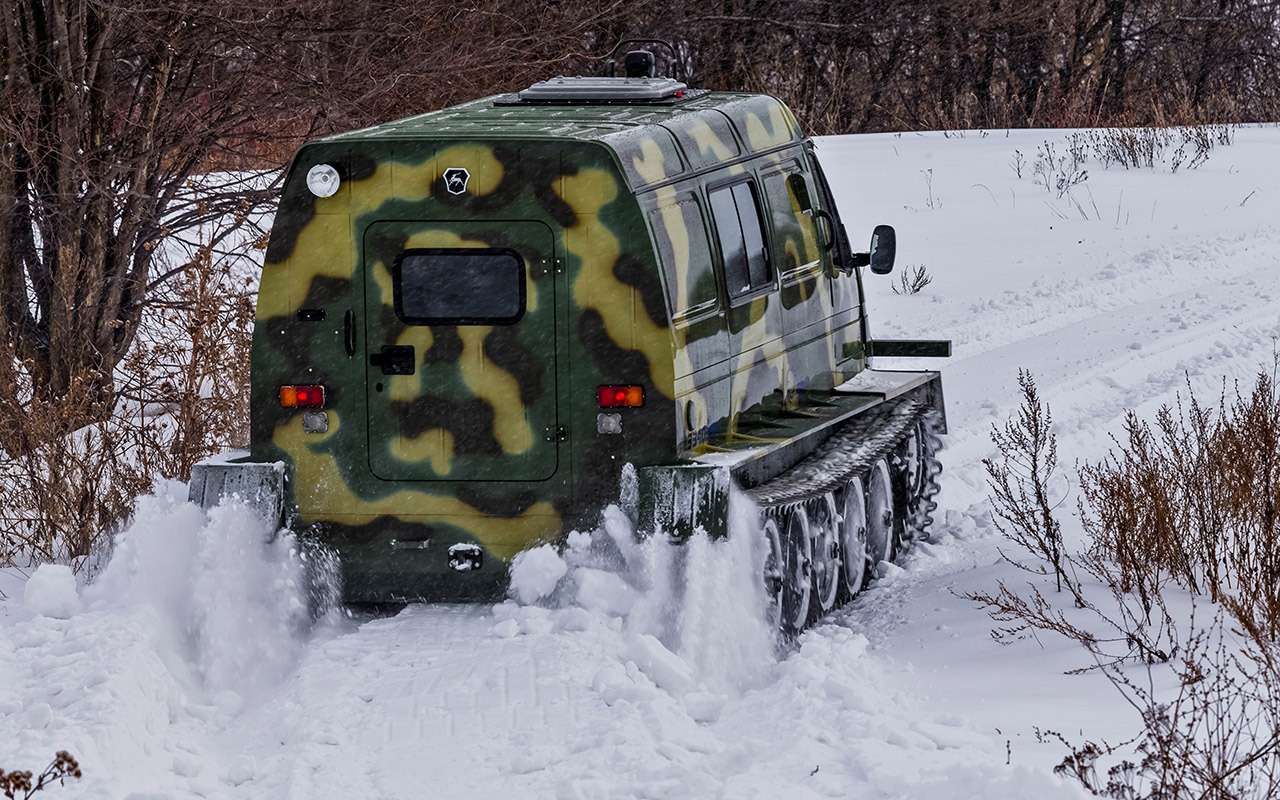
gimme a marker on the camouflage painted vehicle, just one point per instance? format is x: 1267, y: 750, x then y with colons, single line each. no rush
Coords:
x: 471, y: 320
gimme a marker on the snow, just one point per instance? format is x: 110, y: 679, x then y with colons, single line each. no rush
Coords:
x: 624, y: 668
x: 51, y: 591
x: 535, y: 573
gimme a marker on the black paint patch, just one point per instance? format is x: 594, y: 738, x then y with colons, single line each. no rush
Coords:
x: 797, y: 293
x: 643, y: 278
x: 614, y: 364
x: 496, y: 501
x: 470, y: 421
x: 446, y: 345
x: 503, y: 347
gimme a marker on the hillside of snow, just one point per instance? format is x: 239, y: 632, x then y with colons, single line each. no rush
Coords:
x: 189, y: 670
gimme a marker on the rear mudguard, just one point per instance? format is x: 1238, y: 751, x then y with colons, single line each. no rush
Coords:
x: 260, y: 486
x: 682, y: 500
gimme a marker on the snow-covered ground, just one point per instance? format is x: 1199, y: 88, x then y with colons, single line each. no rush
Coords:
x: 186, y: 669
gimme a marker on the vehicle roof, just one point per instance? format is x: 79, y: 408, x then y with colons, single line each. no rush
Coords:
x: 654, y: 142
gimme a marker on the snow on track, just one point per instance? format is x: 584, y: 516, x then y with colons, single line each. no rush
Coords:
x: 601, y: 690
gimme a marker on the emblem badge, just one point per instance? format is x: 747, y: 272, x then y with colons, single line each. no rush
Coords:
x: 455, y: 180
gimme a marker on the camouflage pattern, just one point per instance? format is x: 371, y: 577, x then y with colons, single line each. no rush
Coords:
x: 492, y: 440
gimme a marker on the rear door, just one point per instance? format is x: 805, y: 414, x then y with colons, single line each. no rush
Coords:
x: 460, y: 350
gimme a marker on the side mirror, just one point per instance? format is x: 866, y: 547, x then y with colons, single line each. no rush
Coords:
x: 884, y: 245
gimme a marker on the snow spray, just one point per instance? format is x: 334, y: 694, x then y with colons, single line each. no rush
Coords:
x: 233, y: 599
x: 703, y: 599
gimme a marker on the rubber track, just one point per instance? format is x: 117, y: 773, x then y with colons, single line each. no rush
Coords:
x: 920, y: 514
x: 848, y: 453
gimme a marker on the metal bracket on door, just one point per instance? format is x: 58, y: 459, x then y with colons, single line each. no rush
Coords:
x: 394, y: 359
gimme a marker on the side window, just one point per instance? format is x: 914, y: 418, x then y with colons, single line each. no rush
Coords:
x: 795, y: 234
x: 736, y: 212
x: 686, y: 256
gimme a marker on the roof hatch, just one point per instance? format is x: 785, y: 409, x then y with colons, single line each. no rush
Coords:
x: 586, y: 89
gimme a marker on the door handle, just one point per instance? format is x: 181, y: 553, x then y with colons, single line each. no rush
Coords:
x: 349, y: 332
x: 394, y: 359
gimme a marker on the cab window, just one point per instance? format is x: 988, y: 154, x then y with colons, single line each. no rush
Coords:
x: 685, y: 253
x: 796, y: 246
x: 736, y: 211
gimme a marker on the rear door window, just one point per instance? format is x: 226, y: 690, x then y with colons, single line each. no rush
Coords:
x: 460, y: 286
x: 742, y: 245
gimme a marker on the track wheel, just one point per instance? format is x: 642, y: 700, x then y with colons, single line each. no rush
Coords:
x: 827, y: 560
x: 853, y: 536
x: 797, y: 570
x: 774, y: 569
x: 881, y: 524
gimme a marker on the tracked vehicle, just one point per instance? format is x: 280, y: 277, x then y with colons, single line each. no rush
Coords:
x: 471, y: 320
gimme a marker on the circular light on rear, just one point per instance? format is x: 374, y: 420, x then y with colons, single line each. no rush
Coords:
x: 322, y: 180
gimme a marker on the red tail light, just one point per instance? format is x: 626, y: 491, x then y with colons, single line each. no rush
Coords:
x: 621, y: 396
x: 308, y: 396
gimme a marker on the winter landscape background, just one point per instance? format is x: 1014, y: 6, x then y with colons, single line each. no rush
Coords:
x: 183, y: 669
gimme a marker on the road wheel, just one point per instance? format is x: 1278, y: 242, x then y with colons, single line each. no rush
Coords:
x: 797, y: 585
x: 774, y: 569
x: 825, y: 529
x: 881, y: 521
x: 853, y: 536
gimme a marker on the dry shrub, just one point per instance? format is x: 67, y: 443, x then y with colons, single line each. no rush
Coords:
x: 65, y: 492
x: 182, y: 395
x: 1175, y: 146
x: 1195, y: 500
x: 1217, y: 737
x: 1189, y: 502
x: 912, y: 280
x: 1019, y: 484
x: 24, y: 784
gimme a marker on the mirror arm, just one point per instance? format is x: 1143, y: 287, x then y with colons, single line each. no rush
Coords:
x: 859, y: 259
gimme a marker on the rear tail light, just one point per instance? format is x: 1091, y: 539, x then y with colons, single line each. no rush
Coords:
x: 621, y: 396
x: 308, y: 396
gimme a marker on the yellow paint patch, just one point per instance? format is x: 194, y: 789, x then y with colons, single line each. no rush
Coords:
x: 710, y: 143
x: 497, y: 387
x: 323, y: 491
x: 414, y: 181
x: 323, y: 250
x: 762, y: 136
x: 649, y: 164
x: 435, y: 445
x: 597, y: 288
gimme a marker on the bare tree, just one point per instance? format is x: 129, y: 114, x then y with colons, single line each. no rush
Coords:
x: 109, y: 113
